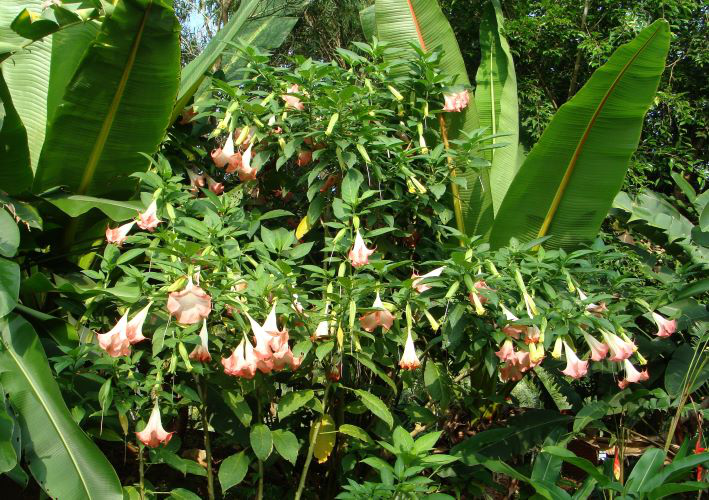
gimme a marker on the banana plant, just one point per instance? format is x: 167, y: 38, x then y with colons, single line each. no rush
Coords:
x: 566, y: 185
x: 563, y: 190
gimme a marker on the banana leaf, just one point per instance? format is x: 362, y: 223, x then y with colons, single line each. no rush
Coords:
x: 194, y: 72
x: 117, y: 104
x: 567, y: 183
x: 496, y: 99
x: 16, y: 174
x: 63, y: 460
x: 367, y: 18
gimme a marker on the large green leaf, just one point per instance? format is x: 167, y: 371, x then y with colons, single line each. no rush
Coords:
x: 63, y: 460
x: 16, y: 172
x: 402, y: 23
x: 367, y: 18
x: 27, y: 74
x: 566, y: 185
x: 76, y: 205
x: 194, y: 72
x: 37, y: 74
x: 117, y: 104
x: 496, y: 99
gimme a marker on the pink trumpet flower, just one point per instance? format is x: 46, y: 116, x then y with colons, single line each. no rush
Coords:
x: 134, y: 329
x: 284, y: 357
x: 479, y: 285
x: 214, y: 186
x: 148, y: 220
x: 190, y: 305
x: 381, y: 317
x: 511, y: 330
x: 243, y: 361
x: 246, y: 172
x: 620, y: 350
x: 262, y: 339
x: 599, y: 350
x: 510, y: 372
x: 153, y: 434
x: 456, y: 102
x: 359, y: 254
x: 201, y: 352
x: 409, y: 359
x: 292, y: 101
x: 115, y: 342
x: 632, y: 376
x: 422, y: 287
x: 532, y: 334
x: 575, y: 368
x: 507, y: 351
x: 665, y: 327
x: 279, y: 338
x: 226, y: 155
x: 196, y: 180
x: 322, y: 331
x: 119, y: 234
x: 597, y: 309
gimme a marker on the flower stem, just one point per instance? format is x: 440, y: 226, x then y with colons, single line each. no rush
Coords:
x: 141, y: 472
x: 311, y: 447
x: 260, y: 480
x: 457, y: 207
x: 202, y: 389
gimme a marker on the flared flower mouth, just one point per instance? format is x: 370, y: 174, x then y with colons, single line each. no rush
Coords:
x: 665, y: 327
x: 381, y: 317
x: 422, y: 287
x: 409, y: 359
x: 575, y: 368
x: 153, y: 435
x: 190, y: 305
x: 115, y: 342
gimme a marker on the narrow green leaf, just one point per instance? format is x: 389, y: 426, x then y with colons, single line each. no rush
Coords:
x: 355, y: 432
x: 9, y: 285
x: 496, y: 98
x: 376, y: 406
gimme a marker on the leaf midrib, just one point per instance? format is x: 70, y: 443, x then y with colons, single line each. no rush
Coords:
x: 51, y: 419
x: 100, y: 143
x: 582, y: 142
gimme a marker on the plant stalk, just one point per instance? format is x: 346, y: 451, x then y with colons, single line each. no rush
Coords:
x: 202, y: 384
x: 457, y: 207
x: 311, y: 447
x: 141, y: 472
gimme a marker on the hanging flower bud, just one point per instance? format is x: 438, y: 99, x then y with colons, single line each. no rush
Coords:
x: 558, y: 346
x: 409, y: 359
x: 322, y: 331
x: 246, y: 172
x: 507, y: 351
x: 304, y: 157
x: 382, y: 317
x: 196, y: 180
x: 201, y: 352
x: 153, y: 433
x: 119, y: 234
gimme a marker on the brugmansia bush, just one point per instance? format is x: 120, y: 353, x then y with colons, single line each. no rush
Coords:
x: 296, y: 305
